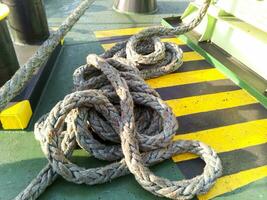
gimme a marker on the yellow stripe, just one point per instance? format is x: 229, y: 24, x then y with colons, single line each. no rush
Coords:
x: 118, y: 32
x: 204, y: 103
x: 188, y: 55
x: 108, y: 46
x: 130, y: 31
x: 185, y: 78
x: 229, y: 183
x: 227, y: 138
x: 191, y: 56
x: 173, y: 40
x: 221, y: 139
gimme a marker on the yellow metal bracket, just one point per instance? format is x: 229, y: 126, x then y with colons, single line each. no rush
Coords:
x: 16, y: 116
x: 4, y: 11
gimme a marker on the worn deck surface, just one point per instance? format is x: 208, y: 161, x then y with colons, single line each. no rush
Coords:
x: 209, y: 107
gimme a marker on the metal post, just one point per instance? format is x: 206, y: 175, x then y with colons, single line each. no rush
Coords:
x: 135, y: 6
x: 8, y: 59
x: 27, y: 21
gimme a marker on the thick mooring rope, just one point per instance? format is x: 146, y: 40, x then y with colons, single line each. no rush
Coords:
x: 115, y: 116
x: 19, y: 80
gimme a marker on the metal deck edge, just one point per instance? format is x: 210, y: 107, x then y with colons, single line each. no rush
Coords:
x: 191, y: 41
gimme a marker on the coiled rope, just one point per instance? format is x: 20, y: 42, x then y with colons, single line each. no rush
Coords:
x: 114, y: 115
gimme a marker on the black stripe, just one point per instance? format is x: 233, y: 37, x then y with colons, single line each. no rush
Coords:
x: 233, y: 161
x: 195, y: 89
x: 184, y: 47
x: 114, y: 39
x: 218, y: 118
x: 120, y: 38
x: 194, y: 65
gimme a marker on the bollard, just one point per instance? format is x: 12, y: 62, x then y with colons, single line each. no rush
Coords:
x: 8, y: 59
x: 135, y: 6
x: 27, y: 21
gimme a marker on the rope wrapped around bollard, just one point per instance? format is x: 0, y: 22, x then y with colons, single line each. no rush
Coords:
x: 115, y: 116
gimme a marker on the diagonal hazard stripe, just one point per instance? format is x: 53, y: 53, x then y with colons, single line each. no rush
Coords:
x: 204, y: 103
x: 114, y: 40
x: 107, y: 45
x: 194, y: 65
x: 118, y: 32
x: 191, y: 56
x: 230, y: 183
x: 173, y: 40
x: 219, y: 118
x: 194, y: 89
x: 250, y: 157
x: 228, y: 138
x: 210, y: 108
x: 185, y: 78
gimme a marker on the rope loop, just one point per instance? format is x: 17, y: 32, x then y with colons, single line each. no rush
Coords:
x: 115, y: 116
x: 101, y: 117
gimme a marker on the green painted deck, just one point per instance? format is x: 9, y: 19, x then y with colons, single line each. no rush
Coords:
x: 20, y: 154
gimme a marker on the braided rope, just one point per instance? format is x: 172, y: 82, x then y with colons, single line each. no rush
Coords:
x: 19, y: 80
x: 115, y: 116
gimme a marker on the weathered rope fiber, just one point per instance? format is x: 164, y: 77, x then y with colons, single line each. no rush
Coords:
x: 115, y: 116
x: 14, y: 86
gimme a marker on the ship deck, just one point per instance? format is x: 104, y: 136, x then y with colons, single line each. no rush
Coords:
x: 233, y: 122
